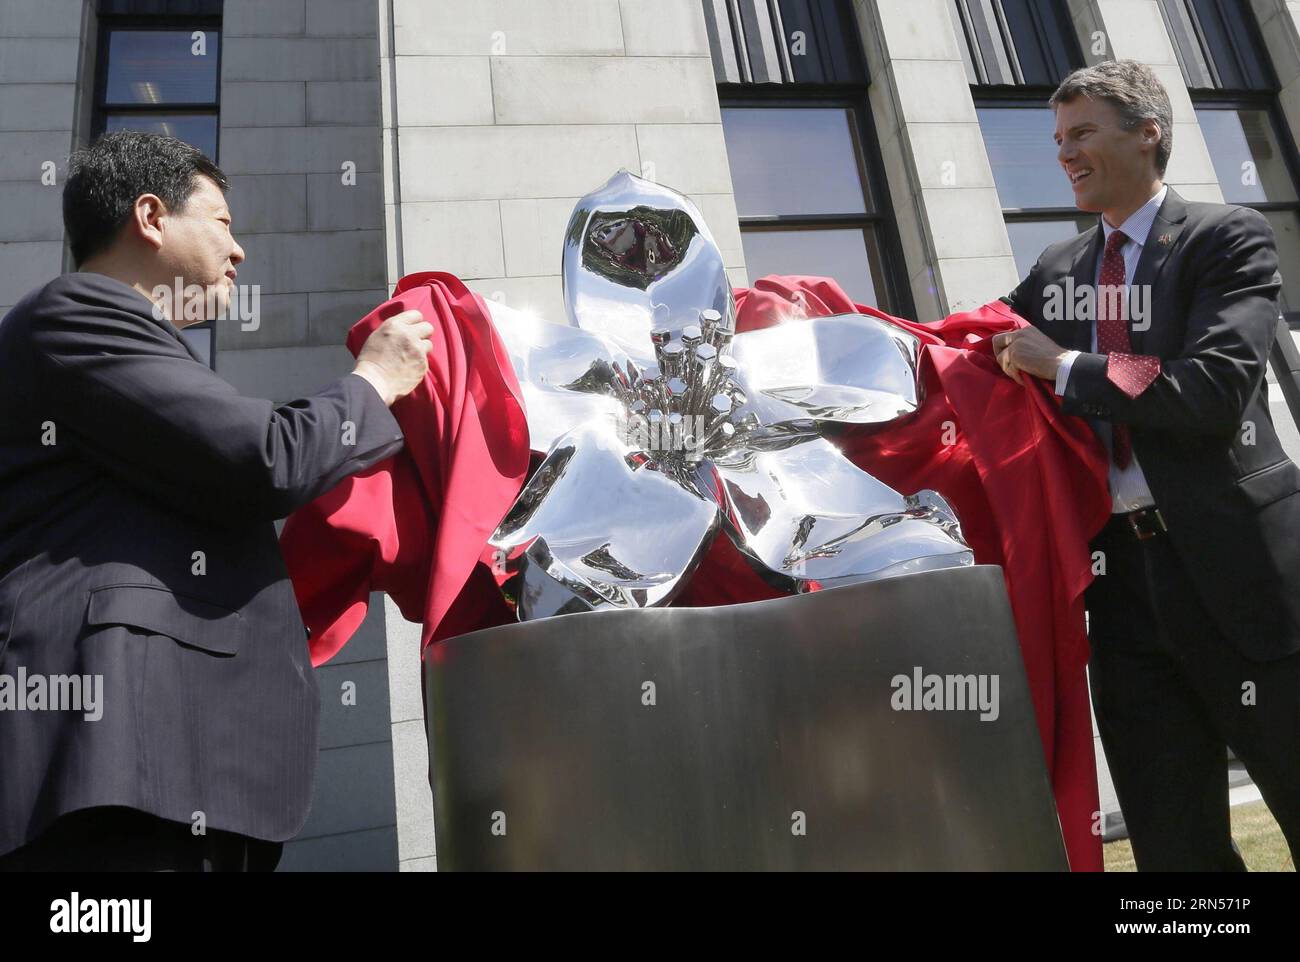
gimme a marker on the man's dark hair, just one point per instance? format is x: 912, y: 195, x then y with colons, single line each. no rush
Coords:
x: 105, y: 179
x: 1136, y: 92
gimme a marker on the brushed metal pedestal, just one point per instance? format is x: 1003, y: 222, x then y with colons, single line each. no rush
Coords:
x: 766, y: 719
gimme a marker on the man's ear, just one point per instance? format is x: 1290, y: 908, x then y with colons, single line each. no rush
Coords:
x: 146, y: 219
x: 1152, y: 135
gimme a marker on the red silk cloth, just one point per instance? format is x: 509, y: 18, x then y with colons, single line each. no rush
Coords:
x: 415, y: 525
x: 1028, y: 483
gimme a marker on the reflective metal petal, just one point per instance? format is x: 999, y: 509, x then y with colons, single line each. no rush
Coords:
x: 603, y: 524
x: 672, y: 416
x: 568, y: 376
x: 638, y: 256
x: 849, y: 368
x: 810, y: 518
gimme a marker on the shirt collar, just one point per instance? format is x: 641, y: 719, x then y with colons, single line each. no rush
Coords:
x: 1138, y: 227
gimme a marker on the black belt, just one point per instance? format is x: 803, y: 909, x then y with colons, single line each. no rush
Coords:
x: 1140, y: 525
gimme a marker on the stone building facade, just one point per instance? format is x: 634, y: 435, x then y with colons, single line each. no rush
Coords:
x: 901, y: 144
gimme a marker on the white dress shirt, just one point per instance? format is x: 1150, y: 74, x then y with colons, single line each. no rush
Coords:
x: 1128, y: 486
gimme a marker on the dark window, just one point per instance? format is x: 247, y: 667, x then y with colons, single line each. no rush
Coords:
x: 159, y: 70
x: 773, y: 149
x: 200, y: 338
x: 160, y: 77
x: 784, y: 41
x: 1016, y: 53
x: 1037, y: 200
x: 805, y: 165
x: 1015, y: 42
x: 1254, y: 170
x: 201, y: 131
x: 1234, y: 91
x: 1215, y: 41
x: 148, y: 67
x: 802, y: 173
x: 1247, y: 154
x: 1024, y: 157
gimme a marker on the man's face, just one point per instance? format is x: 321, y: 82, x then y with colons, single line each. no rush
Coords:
x: 1107, y: 165
x: 198, y: 246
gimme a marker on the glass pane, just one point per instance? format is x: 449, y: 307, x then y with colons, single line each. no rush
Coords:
x: 197, y: 129
x: 1286, y: 225
x: 1030, y: 238
x: 1021, y: 147
x: 1246, y: 155
x: 1283, y: 420
x: 794, y: 160
x: 162, y: 67
x: 850, y: 256
x: 200, y: 338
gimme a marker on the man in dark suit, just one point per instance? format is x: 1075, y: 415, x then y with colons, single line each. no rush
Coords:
x: 1194, y: 617
x: 158, y: 708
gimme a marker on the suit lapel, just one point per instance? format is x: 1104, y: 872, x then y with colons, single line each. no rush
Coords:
x: 1162, y: 240
x: 1077, y: 335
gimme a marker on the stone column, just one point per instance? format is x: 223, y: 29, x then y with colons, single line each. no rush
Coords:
x: 1135, y: 30
x: 498, y: 116
x: 955, y: 243
x: 1279, y: 22
x: 43, y: 66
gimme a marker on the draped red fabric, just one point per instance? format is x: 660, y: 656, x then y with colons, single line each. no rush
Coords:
x: 415, y: 526
x: 1028, y: 483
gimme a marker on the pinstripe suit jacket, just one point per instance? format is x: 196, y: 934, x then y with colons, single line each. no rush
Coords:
x: 138, y: 493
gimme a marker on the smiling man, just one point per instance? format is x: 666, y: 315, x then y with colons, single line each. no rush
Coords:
x: 1194, y: 617
x: 138, y: 492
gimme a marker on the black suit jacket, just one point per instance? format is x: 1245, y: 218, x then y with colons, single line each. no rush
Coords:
x: 1202, y: 431
x: 138, y: 493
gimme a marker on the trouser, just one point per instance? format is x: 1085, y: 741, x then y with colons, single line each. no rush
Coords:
x: 113, y: 839
x: 1171, y: 694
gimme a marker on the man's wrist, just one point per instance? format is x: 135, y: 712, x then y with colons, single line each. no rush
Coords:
x: 369, y: 372
x: 1065, y: 363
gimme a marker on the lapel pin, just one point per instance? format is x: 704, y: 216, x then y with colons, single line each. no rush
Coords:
x: 1165, y: 240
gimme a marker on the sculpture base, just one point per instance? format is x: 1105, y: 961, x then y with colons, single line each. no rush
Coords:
x: 773, y: 735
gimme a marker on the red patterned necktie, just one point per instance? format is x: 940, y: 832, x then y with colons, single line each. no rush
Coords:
x: 1131, y: 373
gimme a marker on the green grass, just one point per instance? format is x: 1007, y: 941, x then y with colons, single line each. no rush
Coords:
x: 1257, y: 834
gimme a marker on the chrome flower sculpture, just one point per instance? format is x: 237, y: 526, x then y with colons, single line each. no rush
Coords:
x: 659, y: 425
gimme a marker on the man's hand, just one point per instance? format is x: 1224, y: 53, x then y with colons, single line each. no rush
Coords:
x: 395, y: 357
x: 1030, y: 351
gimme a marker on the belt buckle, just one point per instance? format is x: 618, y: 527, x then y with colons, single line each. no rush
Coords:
x: 1138, y: 523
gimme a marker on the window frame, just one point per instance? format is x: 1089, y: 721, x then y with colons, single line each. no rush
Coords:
x: 972, y: 28
x: 871, y: 168
x: 1025, y: 98
x: 1282, y: 355
x: 1238, y: 47
x: 108, y: 24
x: 1266, y: 103
x: 102, y: 108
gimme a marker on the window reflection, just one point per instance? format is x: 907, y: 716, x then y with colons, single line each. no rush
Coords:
x: 850, y: 256
x: 162, y: 67
x: 197, y: 129
x: 794, y: 160
x: 1029, y: 238
x: 1286, y: 225
x: 1023, y: 153
x: 1247, y: 158
x: 200, y: 338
